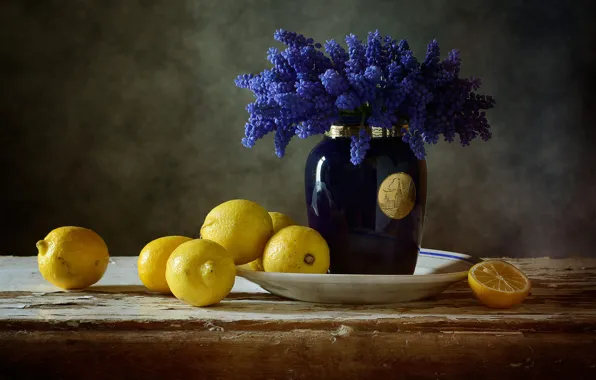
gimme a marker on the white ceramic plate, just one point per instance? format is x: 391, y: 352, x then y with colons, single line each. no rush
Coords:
x: 435, y: 272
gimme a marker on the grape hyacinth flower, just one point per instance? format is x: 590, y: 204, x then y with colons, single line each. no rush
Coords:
x: 359, y: 146
x: 310, y: 87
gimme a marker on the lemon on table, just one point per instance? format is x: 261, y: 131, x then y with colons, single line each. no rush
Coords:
x: 296, y: 249
x: 279, y: 221
x: 242, y: 227
x: 152, y: 262
x: 498, y: 284
x: 72, y: 257
x: 200, y: 272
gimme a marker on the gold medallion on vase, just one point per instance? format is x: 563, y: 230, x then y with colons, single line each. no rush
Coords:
x: 397, y: 195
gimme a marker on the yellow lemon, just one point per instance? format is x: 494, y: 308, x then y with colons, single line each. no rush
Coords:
x: 72, y: 257
x: 200, y: 272
x: 242, y: 227
x: 153, y: 259
x: 279, y: 221
x: 296, y: 249
x: 256, y: 265
x: 498, y: 284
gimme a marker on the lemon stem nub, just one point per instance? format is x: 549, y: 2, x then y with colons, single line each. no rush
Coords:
x: 207, y: 268
x: 42, y: 247
x: 309, y: 259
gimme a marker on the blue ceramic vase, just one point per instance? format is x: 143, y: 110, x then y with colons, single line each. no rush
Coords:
x: 371, y: 214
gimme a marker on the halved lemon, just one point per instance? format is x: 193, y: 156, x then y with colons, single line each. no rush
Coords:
x: 498, y: 284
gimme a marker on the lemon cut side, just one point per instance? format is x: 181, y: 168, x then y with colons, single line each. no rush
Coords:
x: 498, y: 284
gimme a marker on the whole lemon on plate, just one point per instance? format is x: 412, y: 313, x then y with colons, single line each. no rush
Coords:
x: 72, y: 257
x: 242, y: 227
x: 153, y: 259
x: 200, y: 272
x: 296, y: 249
x: 498, y: 284
x: 279, y: 221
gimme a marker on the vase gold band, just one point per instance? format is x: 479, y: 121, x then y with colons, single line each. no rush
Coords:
x: 375, y: 132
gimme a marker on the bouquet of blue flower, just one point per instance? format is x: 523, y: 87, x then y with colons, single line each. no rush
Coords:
x: 380, y: 83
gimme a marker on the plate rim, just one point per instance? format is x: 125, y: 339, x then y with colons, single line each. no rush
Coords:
x: 411, y: 278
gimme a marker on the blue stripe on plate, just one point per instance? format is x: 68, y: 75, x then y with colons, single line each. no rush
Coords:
x: 445, y: 255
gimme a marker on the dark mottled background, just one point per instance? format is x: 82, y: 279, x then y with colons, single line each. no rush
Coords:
x: 122, y: 116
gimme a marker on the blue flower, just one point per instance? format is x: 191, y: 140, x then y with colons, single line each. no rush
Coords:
x: 348, y: 101
x: 364, y: 88
x: 243, y: 81
x: 315, y: 126
x: 295, y: 106
x: 433, y: 54
x: 291, y: 38
x: 282, y: 139
x: 334, y: 83
x: 373, y: 74
x: 358, y: 147
x: 384, y: 118
x: 381, y: 82
x: 414, y: 140
x: 376, y: 54
x: 357, y: 53
x: 403, y: 45
x: 337, y: 53
x: 408, y: 61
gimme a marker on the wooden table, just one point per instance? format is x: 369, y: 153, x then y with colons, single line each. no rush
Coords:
x: 117, y: 329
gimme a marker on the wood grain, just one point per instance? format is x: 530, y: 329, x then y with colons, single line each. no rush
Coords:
x: 119, y: 330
